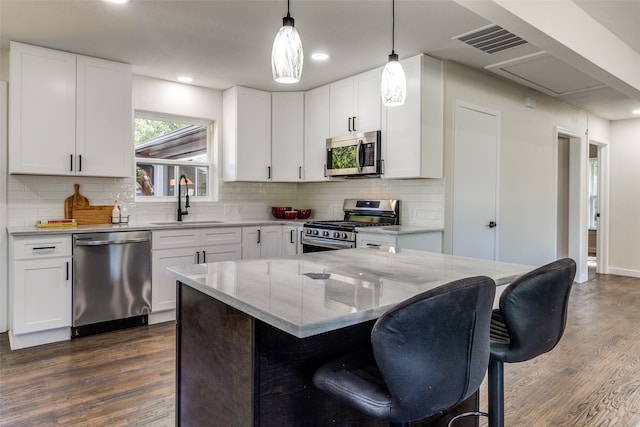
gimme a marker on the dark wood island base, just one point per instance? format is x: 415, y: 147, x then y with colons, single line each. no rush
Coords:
x: 235, y: 370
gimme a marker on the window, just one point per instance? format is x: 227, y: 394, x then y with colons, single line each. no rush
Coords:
x: 167, y: 147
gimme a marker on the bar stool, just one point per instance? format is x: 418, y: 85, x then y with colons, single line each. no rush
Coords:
x: 427, y: 354
x: 529, y: 322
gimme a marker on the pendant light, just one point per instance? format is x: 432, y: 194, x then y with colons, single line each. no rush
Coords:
x: 393, y: 86
x: 287, y: 56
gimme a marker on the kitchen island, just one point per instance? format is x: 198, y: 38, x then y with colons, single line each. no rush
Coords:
x: 251, y: 333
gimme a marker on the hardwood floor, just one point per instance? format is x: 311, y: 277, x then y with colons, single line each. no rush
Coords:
x: 126, y: 378
x: 123, y: 378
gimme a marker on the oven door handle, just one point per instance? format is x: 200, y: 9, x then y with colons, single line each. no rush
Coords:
x: 325, y: 243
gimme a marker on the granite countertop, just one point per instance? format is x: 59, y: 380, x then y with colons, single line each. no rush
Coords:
x: 323, y: 291
x: 397, y: 230
x: 154, y: 225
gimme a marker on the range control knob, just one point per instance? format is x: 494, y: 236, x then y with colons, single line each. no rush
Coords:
x: 344, y: 235
x: 325, y: 233
x: 308, y: 231
x: 315, y: 232
x: 336, y: 234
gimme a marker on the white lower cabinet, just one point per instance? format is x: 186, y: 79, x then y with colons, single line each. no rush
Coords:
x: 173, y: 248
x: 262, y: 242
x: 40, y: 289
x: 292, y: 239
x: 427, y: 241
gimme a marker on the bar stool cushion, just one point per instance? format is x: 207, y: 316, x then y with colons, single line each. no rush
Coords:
x: 428, y: 354
x: 533, y: 313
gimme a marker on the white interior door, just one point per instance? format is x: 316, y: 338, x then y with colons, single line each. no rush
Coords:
x: 475, y: 178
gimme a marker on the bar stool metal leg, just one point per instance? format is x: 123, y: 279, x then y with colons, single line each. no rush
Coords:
x: 496, y: 393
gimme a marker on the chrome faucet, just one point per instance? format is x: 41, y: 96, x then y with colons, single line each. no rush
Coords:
x: 181, y: 212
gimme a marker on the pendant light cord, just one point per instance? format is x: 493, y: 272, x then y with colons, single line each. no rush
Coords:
x: 393, y: 25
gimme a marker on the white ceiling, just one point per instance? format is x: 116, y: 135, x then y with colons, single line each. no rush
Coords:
x: 225, y: 43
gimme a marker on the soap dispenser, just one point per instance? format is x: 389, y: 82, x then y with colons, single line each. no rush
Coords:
x: 115, y: 213
x: 124, y: 213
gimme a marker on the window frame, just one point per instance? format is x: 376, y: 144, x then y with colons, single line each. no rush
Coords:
x: 212, y: 174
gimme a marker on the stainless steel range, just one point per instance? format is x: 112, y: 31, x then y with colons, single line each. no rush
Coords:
x: 331, y: 235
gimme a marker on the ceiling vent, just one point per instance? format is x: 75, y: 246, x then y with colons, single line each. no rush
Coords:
x: 491, y: 39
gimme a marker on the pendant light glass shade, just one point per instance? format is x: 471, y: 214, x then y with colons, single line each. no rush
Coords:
x: 287, y: 56
x: 393, y: 85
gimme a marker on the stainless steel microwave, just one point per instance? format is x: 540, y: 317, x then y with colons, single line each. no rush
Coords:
x: 354, y: 155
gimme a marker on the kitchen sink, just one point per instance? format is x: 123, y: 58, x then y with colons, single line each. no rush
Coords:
x: 202, y: 222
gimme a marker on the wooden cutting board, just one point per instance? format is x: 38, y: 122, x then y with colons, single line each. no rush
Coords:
x: 77, y: 200
x: 96, y: 214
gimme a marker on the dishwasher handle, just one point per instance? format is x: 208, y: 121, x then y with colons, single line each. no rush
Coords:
x: 91, y: 242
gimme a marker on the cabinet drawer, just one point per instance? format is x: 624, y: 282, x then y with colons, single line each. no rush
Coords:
x: 41, y: 247
x: 171, y: 239
x: 365, y: 240
x: 220, y: 236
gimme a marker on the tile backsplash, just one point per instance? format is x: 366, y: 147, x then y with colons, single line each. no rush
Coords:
x: 30, y: 198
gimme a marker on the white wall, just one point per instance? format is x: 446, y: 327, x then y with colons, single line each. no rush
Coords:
x: 527, y: 175
x: 624, y: 198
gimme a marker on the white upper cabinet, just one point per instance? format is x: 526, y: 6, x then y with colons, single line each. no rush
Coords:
x: 287, y: 136
x: 246, y: 134
x: 68, y: 114
x: 413, y: 137
x: 355, y: 104
x: 316, y: 126
x: 104, y: 118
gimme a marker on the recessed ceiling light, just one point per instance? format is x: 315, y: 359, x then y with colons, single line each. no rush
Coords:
x: 118, y: 1
x: 320, y: 56
x: 185, y: 79
x: 636, y: 111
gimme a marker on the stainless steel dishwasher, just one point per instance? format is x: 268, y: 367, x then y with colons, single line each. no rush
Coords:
x: 111, y: 281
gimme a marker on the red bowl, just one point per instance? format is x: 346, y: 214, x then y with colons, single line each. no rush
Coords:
x: 290, y: 214
x: 303, y: 213
x: 278, y: 212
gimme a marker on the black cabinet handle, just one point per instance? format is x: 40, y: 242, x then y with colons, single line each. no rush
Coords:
x: 268, y: 172
x: 204, y: 257
x: 67, y: 271
x: 258, y: 236
x: 70, y: 162
x: 80, y: 163
x: 354, y: 123
x: 44, y: 248
x: 299, y: 172
x: 291, y: 237
x: 197, y: 257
